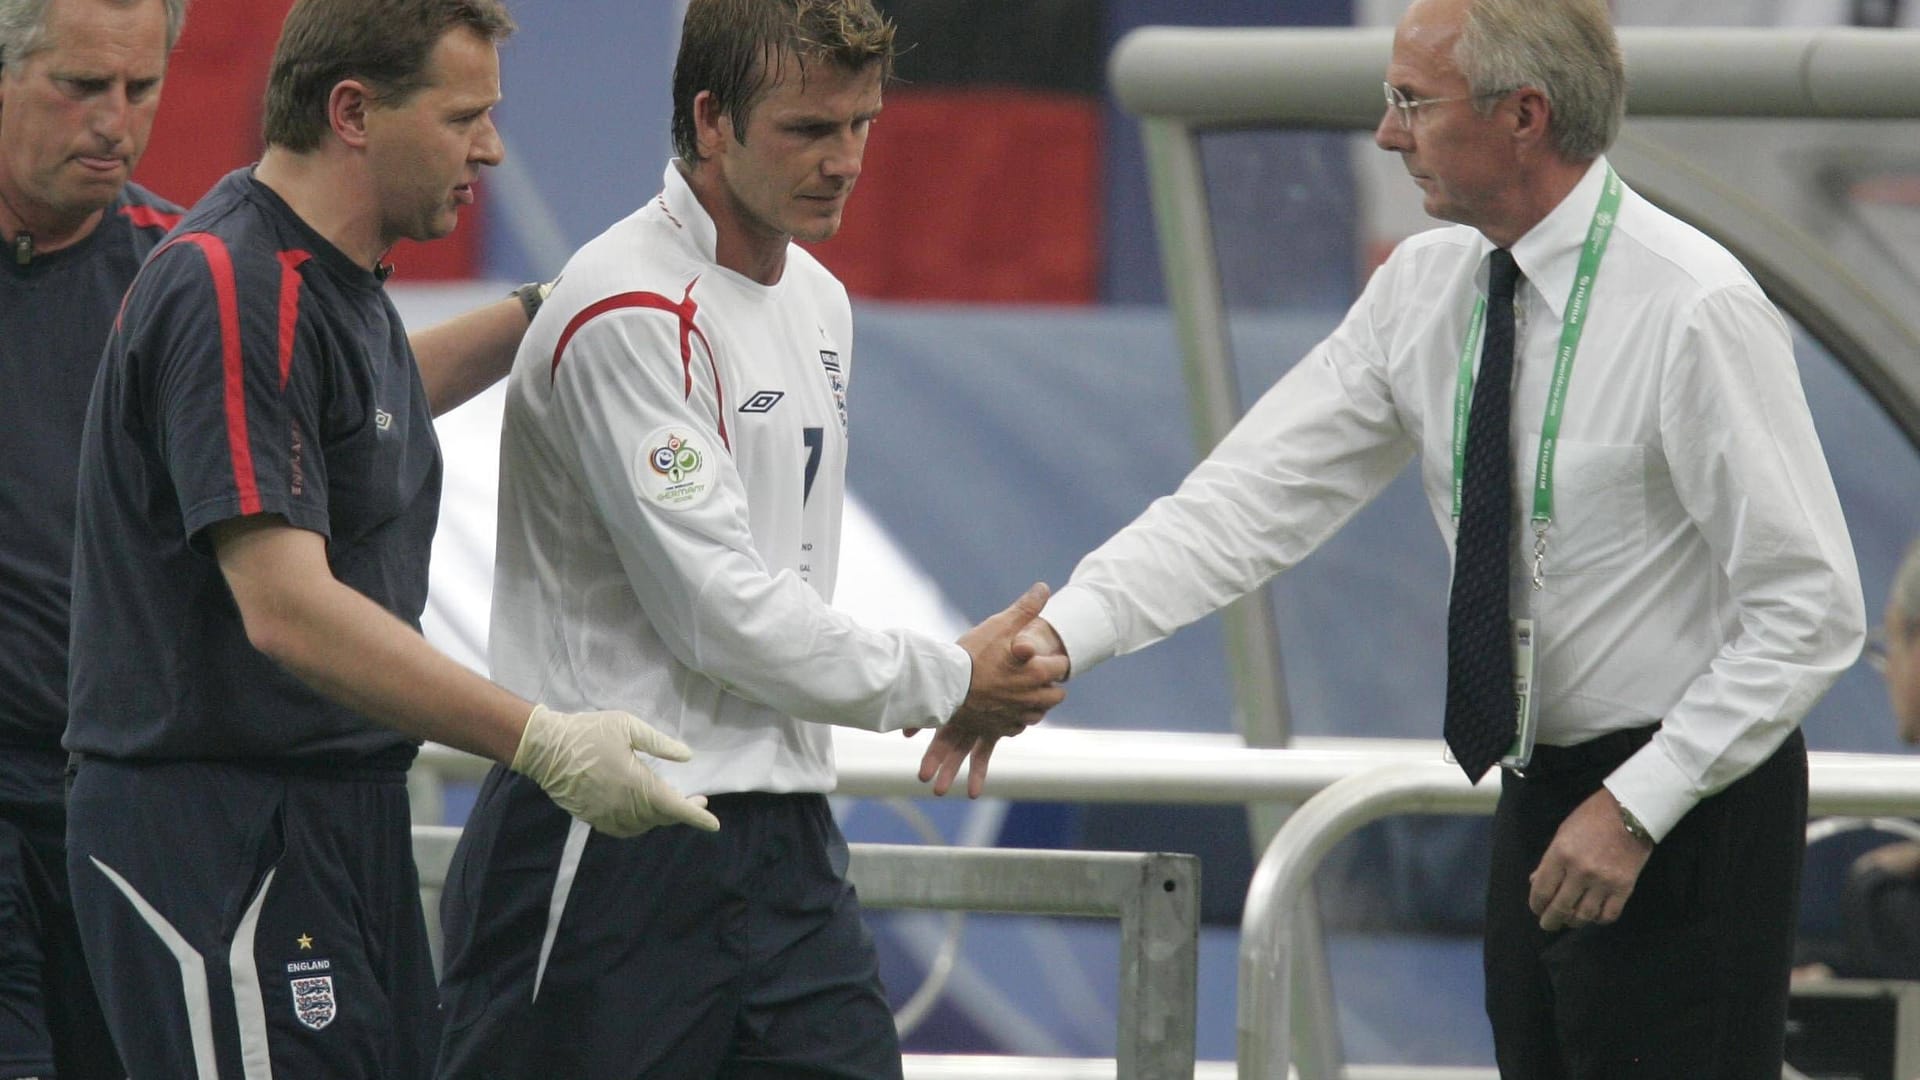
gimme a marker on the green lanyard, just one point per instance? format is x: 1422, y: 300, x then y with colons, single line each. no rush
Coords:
x: 1575, y: 323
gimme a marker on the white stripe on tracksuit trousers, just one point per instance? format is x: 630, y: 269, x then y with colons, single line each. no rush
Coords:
x: 250, y: 1007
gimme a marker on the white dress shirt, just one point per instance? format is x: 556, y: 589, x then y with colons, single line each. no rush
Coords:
x: 1698, y: 569
x: 672, y: 472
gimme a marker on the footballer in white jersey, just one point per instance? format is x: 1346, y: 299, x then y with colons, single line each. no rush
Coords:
x: 673, y: 467
x: 672, y: 476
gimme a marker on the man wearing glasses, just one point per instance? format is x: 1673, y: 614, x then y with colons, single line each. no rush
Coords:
x: 1652, y: 580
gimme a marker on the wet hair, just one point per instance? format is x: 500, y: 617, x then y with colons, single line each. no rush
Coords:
x: 736, y: 49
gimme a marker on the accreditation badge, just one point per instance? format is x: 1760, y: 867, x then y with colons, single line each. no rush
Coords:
x: 1526, y: 703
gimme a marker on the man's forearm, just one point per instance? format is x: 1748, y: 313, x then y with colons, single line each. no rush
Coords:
x: 468, y: 353
x: 356, y: 653
x: 353, y: 651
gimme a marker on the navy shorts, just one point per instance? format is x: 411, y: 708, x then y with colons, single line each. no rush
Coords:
x: 678, y: 953
x: 50, y: 1020
x: 244, y: 923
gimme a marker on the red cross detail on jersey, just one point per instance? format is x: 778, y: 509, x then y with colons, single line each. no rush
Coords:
x: 684, y: 310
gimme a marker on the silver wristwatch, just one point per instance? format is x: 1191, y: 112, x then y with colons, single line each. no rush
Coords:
x: 1634, y: 828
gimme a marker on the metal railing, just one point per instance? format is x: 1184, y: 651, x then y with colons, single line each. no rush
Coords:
x: 1155, y: 897
x: 1851, y: 784
x: 1341, y: 784
x: 1081, y: 765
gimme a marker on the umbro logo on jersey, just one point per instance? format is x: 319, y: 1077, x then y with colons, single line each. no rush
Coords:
x: 763, y: 401
x: 382, y: 419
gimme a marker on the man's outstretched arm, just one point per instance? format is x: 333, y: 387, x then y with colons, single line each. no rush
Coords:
x: 355, y: 652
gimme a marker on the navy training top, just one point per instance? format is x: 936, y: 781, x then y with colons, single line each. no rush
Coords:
x: 256, y: 369
x: 54, y: 316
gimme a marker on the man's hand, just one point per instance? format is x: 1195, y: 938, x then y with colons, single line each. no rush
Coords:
x: 954, y: 744
x: 1040, y: 640
x: 1590, y: 868
x: 585, y: 762
x: 1012, y: 688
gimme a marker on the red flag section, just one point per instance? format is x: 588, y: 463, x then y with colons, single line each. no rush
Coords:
x: 209, y: 124
x: 1007, y: 179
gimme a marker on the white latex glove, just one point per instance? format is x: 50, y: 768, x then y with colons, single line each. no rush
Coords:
x: 585, y: 762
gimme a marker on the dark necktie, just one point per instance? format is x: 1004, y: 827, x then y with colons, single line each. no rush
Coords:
x: 1480, y: 693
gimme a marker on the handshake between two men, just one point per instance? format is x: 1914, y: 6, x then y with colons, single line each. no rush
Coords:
x: 1018, y: 666
x: 590, y: 764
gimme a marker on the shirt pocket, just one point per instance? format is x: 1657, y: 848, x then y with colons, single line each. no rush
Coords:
x: 1599, y: 508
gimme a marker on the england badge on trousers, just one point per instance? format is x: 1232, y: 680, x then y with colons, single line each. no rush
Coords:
x: 313, y: 1001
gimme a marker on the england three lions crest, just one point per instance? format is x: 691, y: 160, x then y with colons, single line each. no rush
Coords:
x: 830, y: 360
x: 313, y: 1001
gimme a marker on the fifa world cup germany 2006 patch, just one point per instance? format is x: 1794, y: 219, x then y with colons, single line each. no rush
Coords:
x: 672, y: 470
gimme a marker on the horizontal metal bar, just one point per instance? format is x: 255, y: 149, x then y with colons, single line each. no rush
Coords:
x: 1008, y: 880
x: 1010, y: 1067
x: 1080, y: 765
x: 1330, y: 77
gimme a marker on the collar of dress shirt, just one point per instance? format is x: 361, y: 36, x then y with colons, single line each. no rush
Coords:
x: 1549, y: 254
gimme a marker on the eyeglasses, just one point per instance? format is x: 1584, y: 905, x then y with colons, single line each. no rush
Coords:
x: 1404, y: 106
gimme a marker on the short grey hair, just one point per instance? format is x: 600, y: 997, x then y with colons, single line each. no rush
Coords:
x: 1566, y: 49
x: 23, y: 25
x: 1904, y: 597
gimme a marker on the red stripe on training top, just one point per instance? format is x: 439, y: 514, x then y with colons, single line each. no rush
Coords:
x: 290, y: 282
x: 120, y: 315
x: 148, y: 217
x: 226, y: 297
x: 683, y: 310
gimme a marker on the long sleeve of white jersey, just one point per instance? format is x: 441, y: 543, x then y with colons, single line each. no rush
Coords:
x: 637, y: 393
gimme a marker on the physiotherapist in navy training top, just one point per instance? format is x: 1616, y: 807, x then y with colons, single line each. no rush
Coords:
x: 257, y: 497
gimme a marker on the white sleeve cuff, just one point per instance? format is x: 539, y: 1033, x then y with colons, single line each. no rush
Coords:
x: 959, y: 680
x: 1085, y: 628
x: 1654, y: 789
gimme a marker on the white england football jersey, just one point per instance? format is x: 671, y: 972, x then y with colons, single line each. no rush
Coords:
x: 672, y: 469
